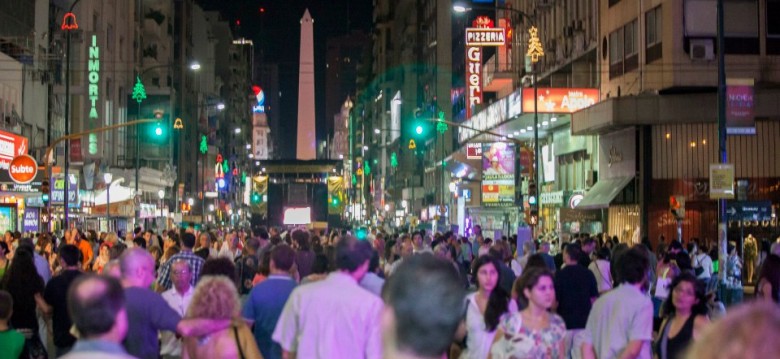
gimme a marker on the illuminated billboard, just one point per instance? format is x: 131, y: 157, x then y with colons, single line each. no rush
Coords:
x: 498, y: 174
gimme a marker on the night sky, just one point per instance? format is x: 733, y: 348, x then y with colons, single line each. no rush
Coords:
x: 276, y: 31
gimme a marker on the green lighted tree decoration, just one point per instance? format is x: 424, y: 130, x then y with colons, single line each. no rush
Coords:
x: 441, y: 126
x: 225, y: 167
x: 204, y: 146
x: 366, y: 168
x: 393, y: 160
x: 139, y: 92
x: 243, y: 177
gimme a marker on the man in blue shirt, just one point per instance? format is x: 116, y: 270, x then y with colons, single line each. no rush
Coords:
x: 266, y: 300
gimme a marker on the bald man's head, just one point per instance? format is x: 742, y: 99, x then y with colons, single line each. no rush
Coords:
x: 96, y: 305
x: 137, y: 267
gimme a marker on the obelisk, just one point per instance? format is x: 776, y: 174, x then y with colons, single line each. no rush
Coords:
x: 307, y: 138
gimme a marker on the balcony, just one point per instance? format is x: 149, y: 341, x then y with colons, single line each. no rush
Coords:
x: 497, y: 75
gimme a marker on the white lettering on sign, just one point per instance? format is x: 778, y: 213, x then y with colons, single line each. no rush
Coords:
x: 576, y: 101
x: 484, y: 120
x: 93, y: 75
x: 22, y: 169
x: 485, y: 37
x: 473, y: 78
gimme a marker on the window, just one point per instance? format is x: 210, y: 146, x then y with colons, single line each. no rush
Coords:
x: 631, y: 48
x: 772, y: 27
x: 653, y: 35
x: 624, y: 49
x: 616, y: 53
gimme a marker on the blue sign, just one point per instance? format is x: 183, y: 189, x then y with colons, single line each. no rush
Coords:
x: 58, y: 190
x: 749, y: 210
x: 31, y: 221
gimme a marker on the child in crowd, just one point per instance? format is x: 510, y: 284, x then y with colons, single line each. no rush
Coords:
x: 11, y: 341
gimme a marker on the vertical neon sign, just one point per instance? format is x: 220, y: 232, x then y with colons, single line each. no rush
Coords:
x: 93, y: 72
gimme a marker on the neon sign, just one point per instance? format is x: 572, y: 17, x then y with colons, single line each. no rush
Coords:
x: 93, y: 75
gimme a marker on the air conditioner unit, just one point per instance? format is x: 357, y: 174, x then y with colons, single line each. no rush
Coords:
x: 702, y: 49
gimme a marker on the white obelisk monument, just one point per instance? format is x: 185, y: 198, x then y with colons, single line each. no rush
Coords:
x: 307, y: 138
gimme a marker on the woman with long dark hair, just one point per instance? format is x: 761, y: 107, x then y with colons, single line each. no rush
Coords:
x: 533, y: 332
x: 26, y: 288
x: 485, y: 308
x: 685, y: 317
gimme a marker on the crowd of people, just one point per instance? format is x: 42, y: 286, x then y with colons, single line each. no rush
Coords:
x: 268, y: 293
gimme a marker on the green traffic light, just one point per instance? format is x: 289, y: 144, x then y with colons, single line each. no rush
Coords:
x: 335, y: 201
x: 158, y: 131
x: 419, y: 130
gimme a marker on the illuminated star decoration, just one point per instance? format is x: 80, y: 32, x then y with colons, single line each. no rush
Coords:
x: 535, y: 49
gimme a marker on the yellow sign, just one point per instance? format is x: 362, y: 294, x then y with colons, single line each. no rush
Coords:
x: 722, y: 181
x: 178, y: 125
x: 360, y: 172
x: 412, y: 145
x: 535, y: 49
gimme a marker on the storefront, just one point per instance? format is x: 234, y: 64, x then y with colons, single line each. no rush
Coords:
x: 616, y: 191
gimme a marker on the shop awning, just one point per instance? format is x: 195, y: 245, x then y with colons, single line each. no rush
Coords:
x: 601, y: 194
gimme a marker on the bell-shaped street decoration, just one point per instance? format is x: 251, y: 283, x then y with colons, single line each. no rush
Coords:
x: 69, y: 22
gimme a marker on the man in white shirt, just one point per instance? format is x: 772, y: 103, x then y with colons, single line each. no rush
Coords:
x: 178, y: 298
x: 335, y: 317
x: 620, y: 325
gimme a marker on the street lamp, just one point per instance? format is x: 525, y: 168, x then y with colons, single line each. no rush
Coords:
x: 161, y: 194
x: 220, y: 106
x: 107, y: 177
x: 237, y: 130
x: 533, y: 53
x: 195, y: 66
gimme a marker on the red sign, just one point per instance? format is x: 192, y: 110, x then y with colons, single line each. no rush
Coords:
x: 559, y: 100
x: 483, y: 22
x: 740, y: 117
x: 473, y: 151
x: 75, y: 150
x: 473, y: 78
x: 11, y: 146
x: 23, y: 169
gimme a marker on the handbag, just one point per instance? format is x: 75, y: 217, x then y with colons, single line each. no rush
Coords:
x: 698, y: 269
x: 34, y: 348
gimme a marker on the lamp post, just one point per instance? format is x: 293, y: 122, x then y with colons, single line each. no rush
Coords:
x: 107, y: 177
x: 533, y: 53
x: 139, y: 94
x: 161, y: 195
x: 69, y: 28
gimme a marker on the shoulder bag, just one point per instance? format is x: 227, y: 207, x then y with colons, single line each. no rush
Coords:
x: 238, y: 343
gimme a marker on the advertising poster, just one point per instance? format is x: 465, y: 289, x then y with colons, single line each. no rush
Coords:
x: 31, y: 220
x: 7, y: 218
x: 498, y: 174
x: 740, y: 116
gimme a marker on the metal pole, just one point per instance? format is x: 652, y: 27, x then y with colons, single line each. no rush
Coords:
x: 536, y: 146
x: 108, y: 206
x: 722, y: 224
x: 67, y: 126
x: 137, y: 166
x: 202, y: 188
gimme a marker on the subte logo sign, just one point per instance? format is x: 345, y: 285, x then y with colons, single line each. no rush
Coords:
x: 23, y: 169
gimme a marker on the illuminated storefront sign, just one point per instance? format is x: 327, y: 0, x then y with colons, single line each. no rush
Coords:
x: 93, y: 75
x: 473, y: 78
x: 476, y: 37
x: 11, y: 145
x: 490, y: 117
x: 473, y: 151
x: 485, y: 37
x: 560, y: 100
